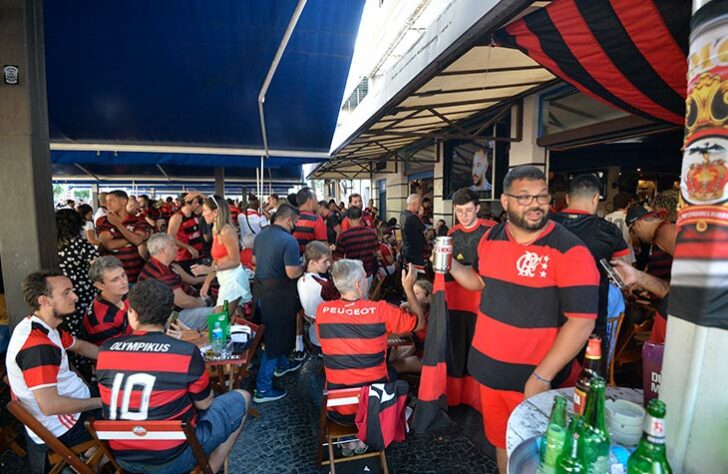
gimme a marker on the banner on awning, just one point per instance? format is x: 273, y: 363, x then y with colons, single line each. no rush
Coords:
x: 628, y: 54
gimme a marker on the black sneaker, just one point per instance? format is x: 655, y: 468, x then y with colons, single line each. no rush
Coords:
x: 293, y: 365
x: 299, y: 356
x: 269, y: 396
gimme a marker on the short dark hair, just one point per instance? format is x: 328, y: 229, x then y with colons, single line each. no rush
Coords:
x: 323, y: 203
x: 284, y: 212
x: 354, y: 213
x: 274, y: 196
x: 332, y: 201
x: 303, y: 195
x: 585, y: 185
x: 622, y: 200
x: 36, y: 285
x: 153, y: 301
x: 352, y: 196
x: 253, y: 202
x: 529, y: 172
x: 464, y: 196
x: 120, y: 193
x: 291, y: 198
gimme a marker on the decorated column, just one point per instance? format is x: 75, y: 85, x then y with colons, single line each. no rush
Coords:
x: 695, y: 370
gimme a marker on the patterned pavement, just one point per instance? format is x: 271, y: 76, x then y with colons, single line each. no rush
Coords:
x: 284, y: 436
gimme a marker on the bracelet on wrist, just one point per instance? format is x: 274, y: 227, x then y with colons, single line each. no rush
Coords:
x: 541, y: 379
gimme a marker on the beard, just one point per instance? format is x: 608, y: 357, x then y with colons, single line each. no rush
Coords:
x: 522, y: 223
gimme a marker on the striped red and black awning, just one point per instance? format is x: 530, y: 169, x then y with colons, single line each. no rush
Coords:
x: 629, y: 54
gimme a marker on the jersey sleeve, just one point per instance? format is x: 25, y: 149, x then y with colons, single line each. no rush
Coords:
x: 396, y: 319
x: 67, y: 339
x: 577, y: 278
x: 620, y: 248
x: 198, y: 379
x: 39, y: 361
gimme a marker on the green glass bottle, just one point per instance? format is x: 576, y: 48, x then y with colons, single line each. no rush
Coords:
x: 555, y: 438
x: 571, y: 459
x: 650, y: 456
x: 596, y: 437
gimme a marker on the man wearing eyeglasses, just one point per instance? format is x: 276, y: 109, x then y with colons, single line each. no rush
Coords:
x: 539, y: 293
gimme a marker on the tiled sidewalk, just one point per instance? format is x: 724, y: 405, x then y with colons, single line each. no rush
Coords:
x: 283, y: 440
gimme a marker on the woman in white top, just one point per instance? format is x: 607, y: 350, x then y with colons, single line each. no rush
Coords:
x: 89, y: 231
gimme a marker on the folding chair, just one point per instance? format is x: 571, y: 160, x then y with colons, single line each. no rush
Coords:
x: 330, y: 432
x: 105, y: 431
x: 613, y: 326
x: 60, y: 455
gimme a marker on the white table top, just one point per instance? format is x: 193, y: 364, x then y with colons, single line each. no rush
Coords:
x: 531, y: 416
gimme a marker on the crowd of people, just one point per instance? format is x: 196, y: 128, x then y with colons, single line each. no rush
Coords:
x: 524, y: 293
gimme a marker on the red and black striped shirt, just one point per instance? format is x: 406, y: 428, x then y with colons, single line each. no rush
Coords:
x: 156, y: 270
x: 353, y: 337
x: 359, y: 243
x: 150, y: 376
x: 528, y: 291
x: 129, y: 255
x: 189, y: 233
x: 309, y: 227
x: 105, y: 320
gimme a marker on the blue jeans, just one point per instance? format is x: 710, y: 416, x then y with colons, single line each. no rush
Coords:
x: 214, y: 426
x: 264, y: 382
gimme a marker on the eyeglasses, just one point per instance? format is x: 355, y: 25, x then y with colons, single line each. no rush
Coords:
x: 527, y: 199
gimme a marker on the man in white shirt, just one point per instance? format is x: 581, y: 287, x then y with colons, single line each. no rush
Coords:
x: 251, y: 221
x: 313, y: 288
x: 37, y: 363
x: 101, y: 211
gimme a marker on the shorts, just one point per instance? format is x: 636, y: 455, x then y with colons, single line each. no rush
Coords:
x: 497, y: 406
x: 214, y: 426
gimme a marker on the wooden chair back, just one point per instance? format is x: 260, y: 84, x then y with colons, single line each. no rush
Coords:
x: 61, y: 455
x: 104, y: 431
x: 614, y: 324
x: 330, y: 431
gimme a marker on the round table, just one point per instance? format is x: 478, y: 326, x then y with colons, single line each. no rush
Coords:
x: 531, y: 416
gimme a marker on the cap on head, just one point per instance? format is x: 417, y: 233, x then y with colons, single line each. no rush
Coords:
x: 635, y: 213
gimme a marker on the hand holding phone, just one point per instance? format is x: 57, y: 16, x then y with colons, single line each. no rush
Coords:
x: 612, y: 274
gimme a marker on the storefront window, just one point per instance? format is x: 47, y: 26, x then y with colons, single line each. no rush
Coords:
x: 568, y: 109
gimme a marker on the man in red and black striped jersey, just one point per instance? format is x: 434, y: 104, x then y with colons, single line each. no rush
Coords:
x: 356, y: 202
x: 603, y: 239
x: 309, y: 226
x: 106, y: 318
x: 463, y: 304
x: 121, y: 234
x: 193, y: 310
x: 184, y: 228
x: 353, y: 330
x: 359, y: 242
x: 37, y: 363
x: 152, y: 376
x: 539, y: 300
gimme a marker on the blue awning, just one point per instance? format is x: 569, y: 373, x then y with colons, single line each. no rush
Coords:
x: 188, y: 74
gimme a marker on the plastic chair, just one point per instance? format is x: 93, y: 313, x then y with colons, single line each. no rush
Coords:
x: 330, y: 432
x: 104, y: 431
x: 60, y: 455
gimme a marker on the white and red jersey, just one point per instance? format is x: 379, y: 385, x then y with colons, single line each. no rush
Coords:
x: 37, y: 358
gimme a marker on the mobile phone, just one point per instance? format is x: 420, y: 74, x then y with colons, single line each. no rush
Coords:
x: 172, y: 319
x: 612, y: 273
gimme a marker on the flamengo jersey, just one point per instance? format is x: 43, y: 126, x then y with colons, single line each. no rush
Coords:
x: 465, y: 241
x: 150, y: 376
x: 528, y: 291
x: 37, y: 358
x: 189, y: 233
x: 104, y: 320
x: 309, y: 227
x: 353, y: 337
x: 129, y: 255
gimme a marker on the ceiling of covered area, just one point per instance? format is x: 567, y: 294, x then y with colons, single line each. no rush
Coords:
x: 480, y: 80
x: 122, y: 76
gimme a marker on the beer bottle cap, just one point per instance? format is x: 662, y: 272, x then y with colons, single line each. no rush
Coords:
x: 594, y: 347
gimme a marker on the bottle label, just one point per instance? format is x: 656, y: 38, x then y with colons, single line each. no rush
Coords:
x: 579, y: 401
x: 655, y: 429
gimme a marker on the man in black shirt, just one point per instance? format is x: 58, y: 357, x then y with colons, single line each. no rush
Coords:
x: 602, y: 238
x: 332, y: 220
x: 413, y: 232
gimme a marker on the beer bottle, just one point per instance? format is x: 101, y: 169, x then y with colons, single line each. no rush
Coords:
x: 596, y: 437
x: 592, y: 360
x: 571, y: 459
x: 553, y: 443
x: 650, y: 457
